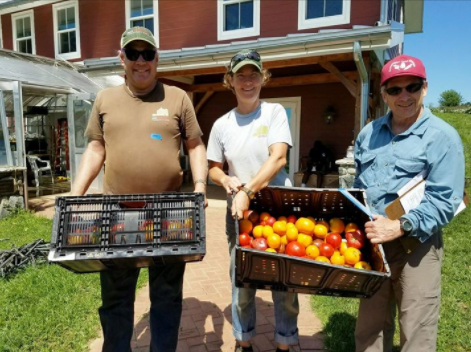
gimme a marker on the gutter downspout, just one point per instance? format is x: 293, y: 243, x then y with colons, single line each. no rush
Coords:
x: 357, y: 57
x: 383, y: 12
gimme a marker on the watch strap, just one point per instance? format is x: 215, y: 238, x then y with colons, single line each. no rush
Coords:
x: 249, y: 193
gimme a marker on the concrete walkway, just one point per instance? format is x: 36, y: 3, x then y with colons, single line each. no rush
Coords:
x: 206, y: 318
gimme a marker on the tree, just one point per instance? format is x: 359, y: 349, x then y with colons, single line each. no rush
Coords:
x: 450, y: 98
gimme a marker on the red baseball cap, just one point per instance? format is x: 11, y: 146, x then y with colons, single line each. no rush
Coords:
x: 402, y: 65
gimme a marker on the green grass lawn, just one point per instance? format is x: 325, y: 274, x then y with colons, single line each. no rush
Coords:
x: 45, y: 307
x: 339, y: 314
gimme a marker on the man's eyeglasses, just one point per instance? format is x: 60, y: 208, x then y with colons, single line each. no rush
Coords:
x: 411, y: 88
x: 133, y: 54
x: 252, y: 55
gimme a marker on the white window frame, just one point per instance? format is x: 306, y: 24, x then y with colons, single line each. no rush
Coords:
x: 238, y: 33
x: 18, y: 16
x: 155, y: 16
x: 1, y: 34
x: 304, y: 23
x: 56, y: 8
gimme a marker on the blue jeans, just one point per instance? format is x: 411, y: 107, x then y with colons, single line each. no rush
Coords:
x: 243, y: 303
x: 118, y: 292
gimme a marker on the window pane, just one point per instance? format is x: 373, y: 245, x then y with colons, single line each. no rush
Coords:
x: 147, y: 7
x: 246, y: 14
x: 70, y: 17
x: 333, y: 7
x: 315, y: 9
x: 20, y: 33
x: 136, y: 9
x: 72, y: 41
x: 149, y: 24
x: 139, y: 23
x: 61, y: 19
x: 64, y: 43
x: 27, y: 26
x: 232, y: 17
x: 24, y: 46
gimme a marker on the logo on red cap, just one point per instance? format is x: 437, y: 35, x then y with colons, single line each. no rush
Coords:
x: 402, y: 66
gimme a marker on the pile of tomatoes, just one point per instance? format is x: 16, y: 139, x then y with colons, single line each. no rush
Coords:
x: 330, y: 242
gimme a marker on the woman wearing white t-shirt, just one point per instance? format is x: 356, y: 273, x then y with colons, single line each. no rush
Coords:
x: 253, y: 138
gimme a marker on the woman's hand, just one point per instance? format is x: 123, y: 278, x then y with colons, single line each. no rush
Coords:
x: 231, y: 184
x: 240, y: 203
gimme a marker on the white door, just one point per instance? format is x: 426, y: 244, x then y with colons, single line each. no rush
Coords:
x: 293, y: 110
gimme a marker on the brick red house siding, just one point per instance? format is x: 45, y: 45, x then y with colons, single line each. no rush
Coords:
x: 44, y: 31
x: 7, y: 32
x: 314, y: 101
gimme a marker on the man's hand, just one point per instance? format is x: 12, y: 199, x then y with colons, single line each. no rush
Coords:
x: 382, y: 229
x: 240, y: 203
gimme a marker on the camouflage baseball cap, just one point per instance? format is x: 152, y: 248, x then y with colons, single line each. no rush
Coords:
x: 137, y: 33
x: 245, y: 57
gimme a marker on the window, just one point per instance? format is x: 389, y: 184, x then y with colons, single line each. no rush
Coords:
x: 66, y: 30
x: 238, y: 19
x: 143, y: 13
x: 323, y: 13
x: 23, y: 32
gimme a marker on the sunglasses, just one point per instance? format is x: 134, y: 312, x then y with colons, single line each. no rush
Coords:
x: 133, y: 54
x: 252, y: 55
x: 411, y: 88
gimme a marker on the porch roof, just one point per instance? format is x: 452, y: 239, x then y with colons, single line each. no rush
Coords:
x: 211, y: 59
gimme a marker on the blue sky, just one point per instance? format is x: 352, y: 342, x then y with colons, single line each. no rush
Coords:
x: 444, y: 47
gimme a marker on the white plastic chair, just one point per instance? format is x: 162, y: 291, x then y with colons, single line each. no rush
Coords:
x: 39, y: 166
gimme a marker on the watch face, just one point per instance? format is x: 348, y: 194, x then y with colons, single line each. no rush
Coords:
x: 406, y: 225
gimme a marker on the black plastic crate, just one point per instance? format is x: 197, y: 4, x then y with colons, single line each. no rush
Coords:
x: 273, y: 271
x: 98, y: 232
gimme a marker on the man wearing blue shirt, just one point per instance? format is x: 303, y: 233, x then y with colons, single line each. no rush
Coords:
x: 389, y: 152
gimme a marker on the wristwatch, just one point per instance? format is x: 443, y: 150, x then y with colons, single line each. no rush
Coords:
x: 406, y: 226
x: 249, y: 193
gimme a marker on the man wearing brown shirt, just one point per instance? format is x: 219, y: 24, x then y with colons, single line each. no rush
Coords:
x: 135, y: 130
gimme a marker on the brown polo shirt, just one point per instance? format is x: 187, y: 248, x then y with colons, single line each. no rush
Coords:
x: 142, y: 137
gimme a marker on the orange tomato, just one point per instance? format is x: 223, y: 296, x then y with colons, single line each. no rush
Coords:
x: 274, y: 241
x: 320, y: 231
x: 312, y: 251
x: 284, y: 240
x: 264, y: 216
x: 282, y: 248
x: 343, y: 247
x: 270, y: 250
x: 304, y: 239
x: 245, y: 226
x: 337, y: 258
x: 352, y: 255
x: 292, y: 233
x: 336, y: 225
x: 279, y: 227
x: 323, y: 259
x: 362, y: 265
x: 306, y: 226
x: 267, y: 231
x: 323, y: 222
x: 257, y: 231
x: 351, y: 226
x: 312, y: 219
x: 283, y: 218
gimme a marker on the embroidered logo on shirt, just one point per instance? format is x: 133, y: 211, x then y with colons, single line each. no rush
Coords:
x: 157, y: 136
x: 160, y: 115
x: 261, y: 131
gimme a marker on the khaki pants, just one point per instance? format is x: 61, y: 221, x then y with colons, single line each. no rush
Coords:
x: 414, y: 288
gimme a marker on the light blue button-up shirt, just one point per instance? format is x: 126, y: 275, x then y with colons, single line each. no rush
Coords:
x: 386, y: 162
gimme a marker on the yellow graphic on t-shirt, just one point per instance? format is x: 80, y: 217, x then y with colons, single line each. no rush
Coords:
x: 261, y: 131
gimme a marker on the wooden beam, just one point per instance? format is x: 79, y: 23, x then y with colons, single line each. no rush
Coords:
x: 203, y: 101
x: 349, y: 84
x: 280, y: 82
x: 171, y: 82
x: 268, y: 64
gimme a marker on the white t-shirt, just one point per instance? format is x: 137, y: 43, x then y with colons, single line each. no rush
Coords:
x: 243, y: 140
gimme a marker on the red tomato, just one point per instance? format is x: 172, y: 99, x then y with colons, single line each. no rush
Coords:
x: 318, y: 242
x: 355, y: 238
x: 296, y: 249
x: 260, y: 243
x: 244, y: 239
x: 326, y: 250
x: 334, y: 239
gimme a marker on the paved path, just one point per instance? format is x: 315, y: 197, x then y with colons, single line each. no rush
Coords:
x: 206, y: 318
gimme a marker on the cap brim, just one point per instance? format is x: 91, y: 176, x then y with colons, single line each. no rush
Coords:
x: 141, y: 39
x: 244, y: 63
x: 400, y: 75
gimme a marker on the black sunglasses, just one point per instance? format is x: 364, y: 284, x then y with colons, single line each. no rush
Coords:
x: 411, y: 88
x: 133, y: 54
x: 252, y: 55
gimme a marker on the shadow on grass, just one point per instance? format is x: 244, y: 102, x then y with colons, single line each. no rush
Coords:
x: 339, y: 333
